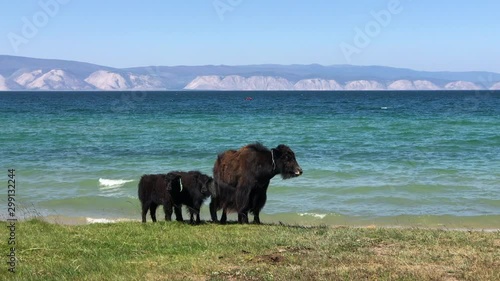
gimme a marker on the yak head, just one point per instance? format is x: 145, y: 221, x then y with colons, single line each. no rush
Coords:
x: 206, y: 183
x: 285, y: 163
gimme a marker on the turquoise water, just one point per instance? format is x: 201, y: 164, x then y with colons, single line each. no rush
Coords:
x: 396, y: 158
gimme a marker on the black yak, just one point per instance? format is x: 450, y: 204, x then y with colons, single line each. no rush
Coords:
x: 196, y: 187
x: 160, y: 189
x: 242, y: 177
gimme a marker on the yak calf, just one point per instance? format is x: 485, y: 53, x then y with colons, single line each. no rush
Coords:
x: 160, y: 189
x: 196, y: 187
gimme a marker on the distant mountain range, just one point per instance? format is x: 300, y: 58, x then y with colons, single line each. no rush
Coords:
x: 22, y: 74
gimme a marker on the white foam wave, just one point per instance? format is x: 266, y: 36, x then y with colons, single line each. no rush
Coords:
x: 319, y: 216
x: 97, y: 220
x: 103, y: 220
x: 112, y: 183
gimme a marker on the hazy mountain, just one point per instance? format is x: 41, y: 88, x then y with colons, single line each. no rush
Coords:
x: 496, y: 86
x: 3, y: 84
x: 236, y: 82
x: 462, y: 85
x: 401, y: 85
x: 21, y: 73
x: 364, y: 85
x: 106, y: 80
x: 421, y: 85
x: 55, y: 79
x: 11, y: 64
x: 425, y: 85
x: 317, y: 84
x: 146, y: 82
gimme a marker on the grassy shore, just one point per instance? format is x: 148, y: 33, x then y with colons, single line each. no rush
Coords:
x: 177, y: 251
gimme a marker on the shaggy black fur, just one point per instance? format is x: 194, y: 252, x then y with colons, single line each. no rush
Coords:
x: 196, y: 187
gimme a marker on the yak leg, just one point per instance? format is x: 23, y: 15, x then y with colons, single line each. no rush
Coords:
x: 243, y: 198
x: 223, y: 218
x: 144, y: 212
x: 152, y: 211
x: 243, y: 213
x: 256, y: 218
x: 259, y: 202
x: 198, y: 220
x: 194, y: 213
x: 213, y: 210
x: 167, y: 208
x: 178, y: 213
x: 196, y: 209
x: 243, y: 216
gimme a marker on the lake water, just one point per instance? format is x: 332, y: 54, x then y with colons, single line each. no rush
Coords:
x: 383, y: 158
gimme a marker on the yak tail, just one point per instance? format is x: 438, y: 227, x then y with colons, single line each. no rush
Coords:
x: 213, y: 189
x: 221, y: 189
x: 140, y: 188
x: 224, y: 195
x: 242, y: 196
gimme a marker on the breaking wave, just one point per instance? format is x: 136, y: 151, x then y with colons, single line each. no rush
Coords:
x: 319, y: 216
x: 112, y: 183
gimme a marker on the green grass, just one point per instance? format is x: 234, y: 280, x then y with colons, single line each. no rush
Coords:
x: 176, y: 251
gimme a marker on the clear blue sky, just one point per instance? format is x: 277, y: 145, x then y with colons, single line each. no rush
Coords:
x: 420, y: 34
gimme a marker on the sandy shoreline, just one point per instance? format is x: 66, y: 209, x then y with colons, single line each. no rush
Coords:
x: 69, y: 220
x: 490, y: 223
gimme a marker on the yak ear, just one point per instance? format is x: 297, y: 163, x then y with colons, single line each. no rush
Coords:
x: 278, y: 151
x: 282, y: 147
